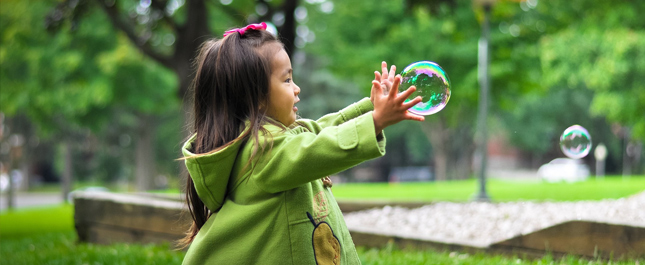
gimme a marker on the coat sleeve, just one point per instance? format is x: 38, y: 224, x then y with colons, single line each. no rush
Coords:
x: 350, y: 112
x: 300, y: 157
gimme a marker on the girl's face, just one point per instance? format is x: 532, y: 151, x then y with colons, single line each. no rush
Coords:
x: 283, y: 92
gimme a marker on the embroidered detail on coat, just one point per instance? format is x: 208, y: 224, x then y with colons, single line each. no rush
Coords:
x: 325, y: 243
x: 321, y: 207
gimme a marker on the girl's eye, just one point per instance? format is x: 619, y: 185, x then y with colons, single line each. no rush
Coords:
x: 288, y: 80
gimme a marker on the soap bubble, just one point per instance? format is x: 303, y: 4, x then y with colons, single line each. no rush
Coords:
x: 575, y: 142
x: 432, y: 85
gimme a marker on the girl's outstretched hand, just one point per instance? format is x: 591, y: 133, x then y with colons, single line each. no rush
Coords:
x: 391, y: 108
x: 386, y: 78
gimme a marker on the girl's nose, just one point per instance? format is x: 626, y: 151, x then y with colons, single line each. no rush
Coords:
x: 296, y: 90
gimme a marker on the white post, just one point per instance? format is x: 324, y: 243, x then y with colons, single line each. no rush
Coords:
x: 600, y: 154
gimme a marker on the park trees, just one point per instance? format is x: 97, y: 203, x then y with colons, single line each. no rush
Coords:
x: 589, y: 67
x: 603, y: 53
x: 83, y: 71
x: 41, y: 74
x: 103, y: 61
x: 82, y: 82
x: 169, y: 33
x: 358, y: 35
x: 549, y: 68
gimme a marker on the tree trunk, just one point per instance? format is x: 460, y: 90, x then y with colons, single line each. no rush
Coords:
x: 434, y: 130
x: 452, y: 149
x: 11, y: 189
x: 288, y: 30
x: 68, y: 174
x: 189, y: 37
x: 441, y: 165
x: 25, y: 168
x: 463, y: 152
x: 145, y: 155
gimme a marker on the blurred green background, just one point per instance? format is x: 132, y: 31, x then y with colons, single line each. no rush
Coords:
x: 93, y: 91
x: 96, y: 93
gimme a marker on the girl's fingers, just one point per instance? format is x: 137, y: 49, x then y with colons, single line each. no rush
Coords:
x: 414, y: 117
x: 372, y: 92
x: 377, y: 78
x: 387, y: 85
x: 411, y: 103
x: 384, y: 69
x: 406, y: 94
x: 392, y: 72
x: 376, y: 87
x: 395, y: 86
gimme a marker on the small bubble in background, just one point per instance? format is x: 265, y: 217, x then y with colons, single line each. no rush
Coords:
x: 432, y: 85
x: 575, y: 142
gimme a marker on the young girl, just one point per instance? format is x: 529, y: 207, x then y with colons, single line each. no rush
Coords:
x: 258, y: 190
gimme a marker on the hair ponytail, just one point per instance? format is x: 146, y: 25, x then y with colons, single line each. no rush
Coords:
x: 198, y: 211
x: 231, y: 84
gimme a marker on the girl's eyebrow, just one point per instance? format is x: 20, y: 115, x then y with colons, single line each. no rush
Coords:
x: 288, y: 71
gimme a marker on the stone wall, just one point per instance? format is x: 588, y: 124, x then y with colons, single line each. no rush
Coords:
x: 102, y: 217
x: 585, y: 238
x: 109, y: 217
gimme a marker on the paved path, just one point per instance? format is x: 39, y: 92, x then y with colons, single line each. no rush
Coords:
x: 31, y: 199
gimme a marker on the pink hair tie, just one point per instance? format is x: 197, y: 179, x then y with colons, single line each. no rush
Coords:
x: 260, y: 26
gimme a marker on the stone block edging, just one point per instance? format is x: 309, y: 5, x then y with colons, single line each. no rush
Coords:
x: 103, y: 217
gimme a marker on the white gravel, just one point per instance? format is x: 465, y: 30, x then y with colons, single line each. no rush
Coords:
x: 479, y: 224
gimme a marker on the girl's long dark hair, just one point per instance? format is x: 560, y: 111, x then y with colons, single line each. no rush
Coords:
x: 231, y: 86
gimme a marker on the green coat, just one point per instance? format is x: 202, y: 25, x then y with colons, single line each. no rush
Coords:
x: 280, y: 212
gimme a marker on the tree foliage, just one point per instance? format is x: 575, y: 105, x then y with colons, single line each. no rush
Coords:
x: 549, y: 68
x: 49, y: 77
x: 107, y: 66
x: 84, y: 77
x: 611, y: 62
x: 78, y: 64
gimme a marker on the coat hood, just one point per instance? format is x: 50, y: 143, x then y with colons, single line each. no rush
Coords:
x: 211, y: 173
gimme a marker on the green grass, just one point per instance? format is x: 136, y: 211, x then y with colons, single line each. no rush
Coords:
x: 62, y: 248
x: 498, y: 190
x: 611, y: 187
x: 56, y: 187
x: 46, y: 236
x: 32, y: 221
x: 393, y: 255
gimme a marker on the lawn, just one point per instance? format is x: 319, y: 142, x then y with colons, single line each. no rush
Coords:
x: 498, y: 190
x: 55, y: 187
x: 611, y: 187
x: 33, y: 221
x: 62, y: 248
x: 46, y: 236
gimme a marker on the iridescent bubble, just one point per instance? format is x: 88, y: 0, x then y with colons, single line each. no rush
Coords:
x: 575, y: 142
x: 432, y: 85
